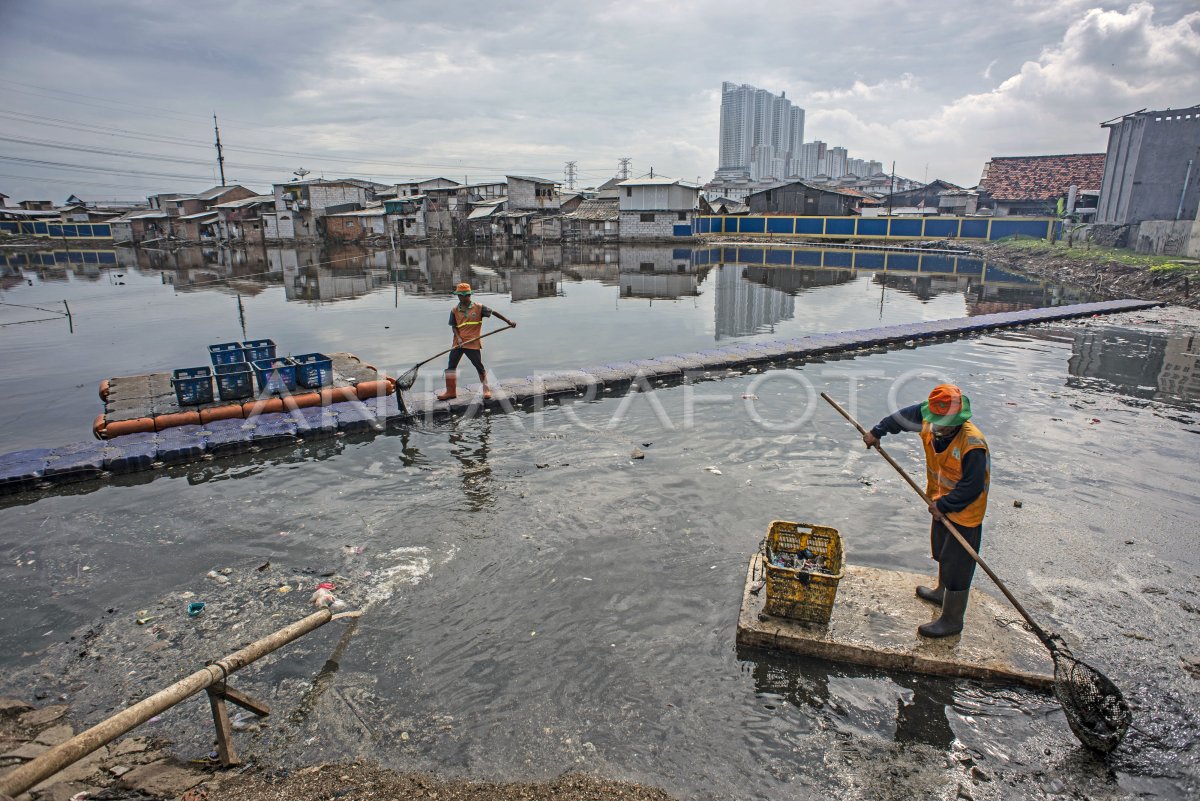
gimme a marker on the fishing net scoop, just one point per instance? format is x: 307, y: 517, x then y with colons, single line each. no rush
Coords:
x: 1095, y: 709
x: 409, y: 378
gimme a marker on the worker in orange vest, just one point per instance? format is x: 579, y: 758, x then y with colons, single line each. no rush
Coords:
x: 466, y: 321
x: 957, y: 475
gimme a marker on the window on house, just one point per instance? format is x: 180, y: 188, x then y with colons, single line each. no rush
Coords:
x: 629, y: 191
x: 647, y: 218
x: 682, y: 216
x: 646, y: 267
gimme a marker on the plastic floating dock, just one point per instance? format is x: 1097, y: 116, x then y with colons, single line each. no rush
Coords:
x: 373, y: 405
x: 874, y: 623
x: 141, y: 404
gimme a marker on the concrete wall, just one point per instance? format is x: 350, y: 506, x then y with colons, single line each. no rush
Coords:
x: 1168, y: 238
x: 632, y: 226
x: 522, y: 195
x: 658, y: 197
x: 1146, y: 164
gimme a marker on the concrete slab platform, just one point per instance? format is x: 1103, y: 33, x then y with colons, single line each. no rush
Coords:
x: 874, y: 623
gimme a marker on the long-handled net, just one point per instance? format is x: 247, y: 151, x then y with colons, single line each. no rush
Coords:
x: 409, y: 378
x: 1095, y: 709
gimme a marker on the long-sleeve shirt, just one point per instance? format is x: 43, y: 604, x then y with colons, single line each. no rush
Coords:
x: 974, y: 464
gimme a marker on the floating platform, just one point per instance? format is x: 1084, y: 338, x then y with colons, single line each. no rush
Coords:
x: 874, y: 623
x: 272, y: 423
x: 140, y: 404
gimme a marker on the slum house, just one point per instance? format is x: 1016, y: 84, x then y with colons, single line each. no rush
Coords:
x: 419, y: 186
x: 406, y: 216
x: 927, y: 198
x: 958, y: 202
x: 81, y: 213
x: 593, y: 221
x: 36, y: 205
x: 300, y: 206
x: 3, y: 201
x: 570, y: 202
x: 533, y: 194
x: 803, y: 199
x: 483, y: 220
x: 445, y: 215
x: 656, y: 208
x: 203, y: 227
x: 139, y: 226
x: 356, y: 226
x: 241, y: 220
x: 1034, y: 185
x: 1152, y: 167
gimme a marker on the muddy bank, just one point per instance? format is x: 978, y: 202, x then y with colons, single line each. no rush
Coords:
x: 1099, y: 273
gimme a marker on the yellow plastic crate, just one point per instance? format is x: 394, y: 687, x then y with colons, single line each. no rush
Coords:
x: 798, y: 594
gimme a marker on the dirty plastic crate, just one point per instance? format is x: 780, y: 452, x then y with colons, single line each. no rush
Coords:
x: 259, y: 349
x: 193, y: 386
x: 313, y: 370
x: 234, y: 381
x: 275, y: 376
x: 226, y: 353
x: 798, y: 594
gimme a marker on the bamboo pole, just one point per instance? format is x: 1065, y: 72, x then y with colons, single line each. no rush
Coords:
x: 60, y: 756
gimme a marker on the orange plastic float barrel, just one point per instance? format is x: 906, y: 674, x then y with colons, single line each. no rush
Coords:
x: 304, y: 400
x: 164, y: 421
x: 262, y: 406
x: 104, y: 390
x: 338, y: 395
x: 98, y: 426
x: 373, y: 389
x: 119, y: 428
x: 231, y: 411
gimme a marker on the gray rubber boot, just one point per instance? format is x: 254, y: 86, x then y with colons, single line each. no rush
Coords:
x: 932, y: 594
x: 954, y: 608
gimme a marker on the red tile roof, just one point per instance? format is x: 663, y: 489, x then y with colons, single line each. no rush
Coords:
x: 1042, y: 177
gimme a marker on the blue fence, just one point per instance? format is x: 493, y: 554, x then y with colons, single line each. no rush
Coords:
x: 56, y: 230
x: 58, y: 258
x: 931, y: 264
x: 980, y: 228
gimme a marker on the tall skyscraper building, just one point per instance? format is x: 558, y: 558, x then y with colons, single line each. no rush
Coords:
x: 761, y: 134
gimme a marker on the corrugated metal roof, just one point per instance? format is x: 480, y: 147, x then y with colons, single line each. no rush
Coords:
x: 658, y: 182
x: 249, y: 201
x: 532, y: 179
x: 482, y: 212
x: 199, y: 216
x: 596, y: 210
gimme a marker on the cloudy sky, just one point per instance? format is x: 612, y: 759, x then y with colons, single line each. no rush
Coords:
x: 389, y: 90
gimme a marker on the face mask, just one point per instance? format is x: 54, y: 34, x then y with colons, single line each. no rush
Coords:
x: 943, y: 431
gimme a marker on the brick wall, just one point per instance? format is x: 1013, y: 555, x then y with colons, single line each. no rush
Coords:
x: 663, y: 226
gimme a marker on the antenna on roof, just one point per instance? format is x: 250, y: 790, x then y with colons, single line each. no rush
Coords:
x: 300, y: 173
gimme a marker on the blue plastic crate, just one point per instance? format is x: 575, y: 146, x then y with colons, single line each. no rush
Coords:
x: 259, y: 349
x: 313, y: 370
x: 227, y: 353
x: 193, y: 386
x: 275, y: 376
x: 234, y: 381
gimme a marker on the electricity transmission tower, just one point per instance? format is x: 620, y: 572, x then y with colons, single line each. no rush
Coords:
x: 623, y: 165
x: 571, y: 174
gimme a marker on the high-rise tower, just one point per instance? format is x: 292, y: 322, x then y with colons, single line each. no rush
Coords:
x: 761, y: 133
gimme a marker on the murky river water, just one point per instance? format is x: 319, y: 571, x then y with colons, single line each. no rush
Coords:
x: 539, y: 602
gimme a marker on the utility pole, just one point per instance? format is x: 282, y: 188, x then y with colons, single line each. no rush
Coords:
x: 623, y: 168
x: 651, y: 172
x: 892, y: 190
x: 220, y: 155
x: 571, y: 174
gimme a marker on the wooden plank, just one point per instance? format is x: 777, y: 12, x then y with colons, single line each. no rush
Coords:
x: 244, y: 701
x: 225, y: 749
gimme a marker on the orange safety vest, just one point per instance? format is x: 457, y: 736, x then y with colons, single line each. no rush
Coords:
x: 944, y: 470
x: 468, y: 325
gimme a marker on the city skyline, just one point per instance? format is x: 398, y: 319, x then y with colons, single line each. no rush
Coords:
x: 116, y: 100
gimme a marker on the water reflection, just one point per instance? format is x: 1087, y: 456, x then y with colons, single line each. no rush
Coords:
x: 470, y: 446
x: 1139, y: 364
x: 921, y: 703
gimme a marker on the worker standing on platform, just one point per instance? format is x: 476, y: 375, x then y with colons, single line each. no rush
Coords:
x: 957, y: 474
x: 466, y: 321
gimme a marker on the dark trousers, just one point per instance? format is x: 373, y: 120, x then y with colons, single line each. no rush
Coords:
x: 474, y: 355
x: 956, y: 568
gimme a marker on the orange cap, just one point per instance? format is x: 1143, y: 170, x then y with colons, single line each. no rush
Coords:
x: 946, y: 406
x: 462, y: 289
